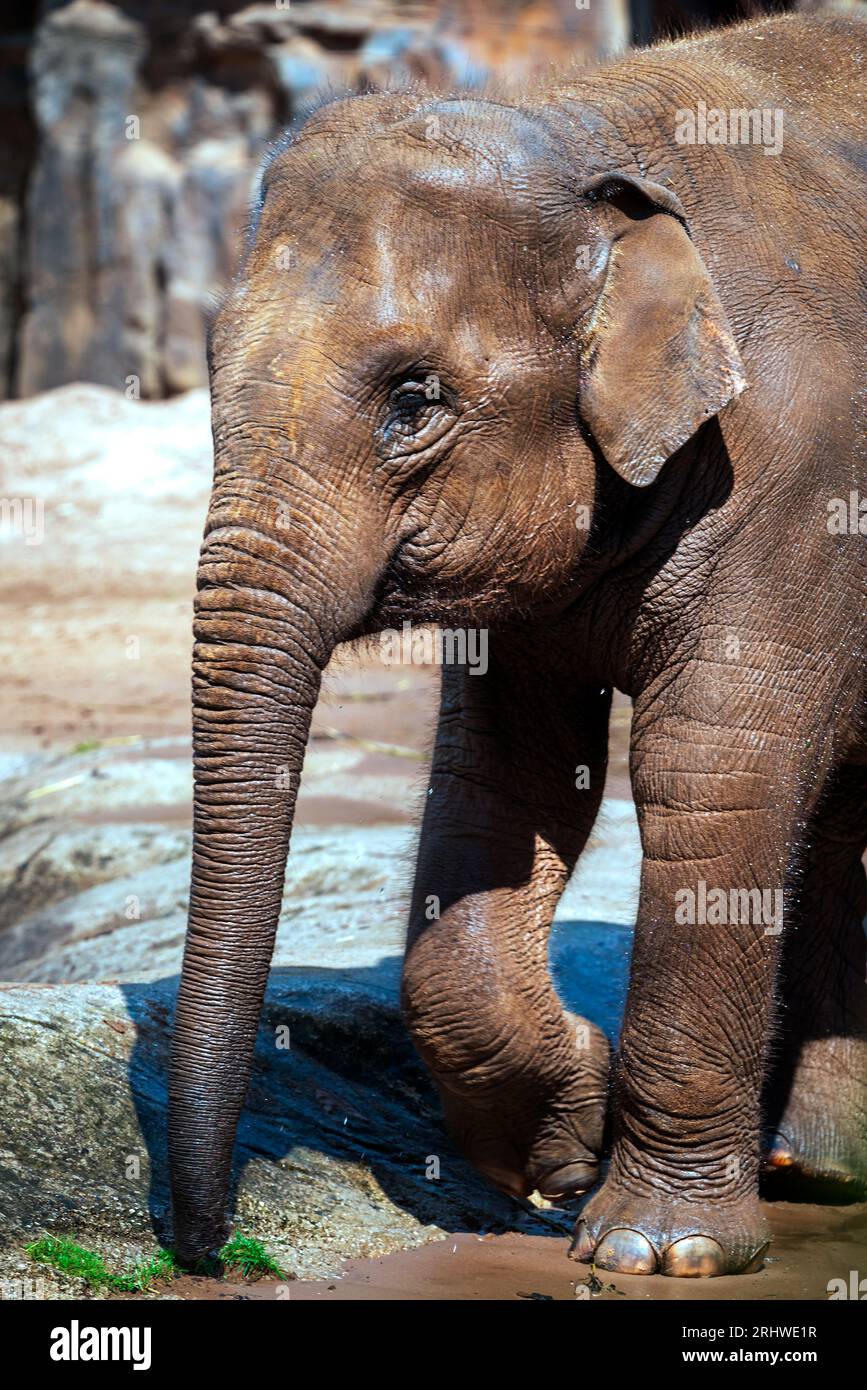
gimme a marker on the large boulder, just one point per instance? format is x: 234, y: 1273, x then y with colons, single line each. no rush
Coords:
x: 341, y: 1150
x: 85, y: 62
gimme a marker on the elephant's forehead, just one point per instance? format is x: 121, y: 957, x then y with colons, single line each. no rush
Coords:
x: 453, y: 177
x: 471, y: 158
x: 476, y: 193
x: 407, y: 225
x: 402, y: 278
x: 418, y: 260
x: 416, y: 219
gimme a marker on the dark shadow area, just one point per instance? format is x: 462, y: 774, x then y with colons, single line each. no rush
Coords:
x: 337, y: 1079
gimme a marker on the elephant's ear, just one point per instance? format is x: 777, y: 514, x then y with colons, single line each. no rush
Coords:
x: 659, y: 356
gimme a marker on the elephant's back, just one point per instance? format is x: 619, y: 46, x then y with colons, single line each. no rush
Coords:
x: 811, y: 67
x: 814, y: 65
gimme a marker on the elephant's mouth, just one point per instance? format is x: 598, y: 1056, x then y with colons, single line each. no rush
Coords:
x: 400, y: 587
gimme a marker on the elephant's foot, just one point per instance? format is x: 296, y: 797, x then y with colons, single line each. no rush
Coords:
x: 818, y: 1150
x: 540, y: 1127
x: 656, y: 1234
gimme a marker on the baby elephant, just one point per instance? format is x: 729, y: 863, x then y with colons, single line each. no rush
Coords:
x: 584, y: 373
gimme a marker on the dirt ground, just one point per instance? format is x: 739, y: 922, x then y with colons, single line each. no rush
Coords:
x: 811, y: 1246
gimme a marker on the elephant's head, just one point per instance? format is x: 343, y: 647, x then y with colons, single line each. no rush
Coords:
x: 438, y: 316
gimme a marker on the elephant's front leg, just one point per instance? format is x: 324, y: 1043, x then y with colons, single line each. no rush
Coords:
x: 717, y: 809
x: 516, y: 780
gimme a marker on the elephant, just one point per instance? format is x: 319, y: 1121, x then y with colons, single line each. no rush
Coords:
x: 584, y: 374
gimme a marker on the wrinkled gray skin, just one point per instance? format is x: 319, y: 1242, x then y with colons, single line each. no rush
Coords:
x: 593, y: 298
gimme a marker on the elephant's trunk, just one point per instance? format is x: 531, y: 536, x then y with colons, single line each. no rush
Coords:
x: 264, y: 631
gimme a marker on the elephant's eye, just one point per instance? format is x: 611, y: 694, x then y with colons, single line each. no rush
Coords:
x: 409, y: 402
x: 419, y: 412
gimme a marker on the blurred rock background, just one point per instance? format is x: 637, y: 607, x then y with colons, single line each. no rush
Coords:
x: 131, y: 132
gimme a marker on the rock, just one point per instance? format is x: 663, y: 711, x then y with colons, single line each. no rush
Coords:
x: 341, y: 1131
x: 339, y: 1134
x: 116, y: 490
x: 148, y: 183
x: 85, y: 60
x: 301, y: 71
x: 207, y: 220
x: 16, y: 122
x: 94, y: 859
x: 42, y: 863
x: 10, y: 273
x: 340, y: 904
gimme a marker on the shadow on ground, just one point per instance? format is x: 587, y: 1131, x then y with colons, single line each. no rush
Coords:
x: 341, y: 1120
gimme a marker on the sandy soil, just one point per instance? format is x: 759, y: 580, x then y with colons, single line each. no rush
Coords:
x: 811, y: 1245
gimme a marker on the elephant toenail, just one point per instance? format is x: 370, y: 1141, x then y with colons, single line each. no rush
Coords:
x: 568, y: 1180
x: 582, y: 1245
x: 694, y: 1257
x: 627, y: 1252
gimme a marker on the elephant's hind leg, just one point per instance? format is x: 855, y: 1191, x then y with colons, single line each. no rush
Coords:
x: 816, y: 1101
x: 523, y: 1084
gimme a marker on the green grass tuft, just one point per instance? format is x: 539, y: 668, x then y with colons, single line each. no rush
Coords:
x: 141, y: 1277
x: 241, y: 1253
x: 71, y: 1258
x: 250, y: 1256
